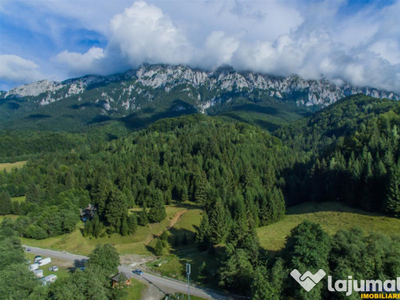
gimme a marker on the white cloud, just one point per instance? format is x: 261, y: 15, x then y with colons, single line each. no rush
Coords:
x: 143, y: 33
x: 16, y: 70
x: 277, y: 37
x: 82, y: 63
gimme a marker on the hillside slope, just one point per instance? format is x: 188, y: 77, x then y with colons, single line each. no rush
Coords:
x: 140, y: 97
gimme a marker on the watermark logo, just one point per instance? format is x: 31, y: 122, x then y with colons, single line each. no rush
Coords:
x: 308, y: 280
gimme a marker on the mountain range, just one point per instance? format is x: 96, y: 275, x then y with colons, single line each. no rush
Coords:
x: 151, y: 92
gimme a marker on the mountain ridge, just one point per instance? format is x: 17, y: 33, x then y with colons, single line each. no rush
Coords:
x: 309, y: 92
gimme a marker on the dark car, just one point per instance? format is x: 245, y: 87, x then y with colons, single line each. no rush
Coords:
x: 138, y: 272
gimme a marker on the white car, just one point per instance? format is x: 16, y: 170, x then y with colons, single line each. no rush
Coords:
x: 53, y: 268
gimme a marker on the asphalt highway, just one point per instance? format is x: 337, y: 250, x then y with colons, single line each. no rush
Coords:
x: 165, y: 285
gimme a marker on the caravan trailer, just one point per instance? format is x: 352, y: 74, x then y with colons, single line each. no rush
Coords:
x: 33, y: 267
x: 44, y: 261
x: 48, y: 279
x: 38, y: 273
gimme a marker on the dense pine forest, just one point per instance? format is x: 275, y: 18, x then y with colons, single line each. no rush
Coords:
x: 241, y: 176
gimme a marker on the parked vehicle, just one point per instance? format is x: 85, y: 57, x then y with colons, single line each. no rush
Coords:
x: 53, y: 268
x: 38, y: 273
x: 44, y: 261
x: 33, y: 267
x: 37, y: 258
x: 49, y: 279
x: 138, y: 272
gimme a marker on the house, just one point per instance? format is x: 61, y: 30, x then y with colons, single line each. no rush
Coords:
x: 88, y: 213
x: 119, y: 279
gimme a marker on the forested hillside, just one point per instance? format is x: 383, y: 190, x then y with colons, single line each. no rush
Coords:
x: 353, y: 150
x: 220, y: 166
x: 241, y: 176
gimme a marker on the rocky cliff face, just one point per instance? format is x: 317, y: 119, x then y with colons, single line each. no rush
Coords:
x: 132, y: 89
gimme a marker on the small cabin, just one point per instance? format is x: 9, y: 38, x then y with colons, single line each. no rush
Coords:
x: 119, y: 279
x: 88, y: 213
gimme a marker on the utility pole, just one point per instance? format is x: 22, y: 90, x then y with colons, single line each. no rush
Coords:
x: 188, y: 277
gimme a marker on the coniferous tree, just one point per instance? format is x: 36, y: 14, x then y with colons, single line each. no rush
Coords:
x: 203, y: 233
x: 115, y: 210
x: 393, y: 193
x: 5, y: 203
x: 143, y: 219
x: 203, y: 274
x: 219, y: 223
x: 32, y: 194
x: 157, y: 213
x: 132, y: 223
x: 158, y: 250
x: 124, y: 226
x: 307, y: 248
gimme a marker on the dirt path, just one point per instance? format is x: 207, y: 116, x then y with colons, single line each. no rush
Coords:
x: 171, y: 224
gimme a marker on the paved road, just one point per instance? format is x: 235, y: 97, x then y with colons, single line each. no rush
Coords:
x: 165, y: 285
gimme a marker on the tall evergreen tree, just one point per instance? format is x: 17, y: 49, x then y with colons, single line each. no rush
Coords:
x: 219, y: 223
x: 393, y: 193
x: 203, y: 233
x: 5, y: 203
x: 157, y: 213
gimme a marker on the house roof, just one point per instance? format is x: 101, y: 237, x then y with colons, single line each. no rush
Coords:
x: 119, y: 277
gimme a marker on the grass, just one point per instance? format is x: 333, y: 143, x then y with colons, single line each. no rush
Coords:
x: 174, y: 264
x: 19, y: 199
x: 64, y: 267
x: 135, y: 290
x: 13, y: 217
x: 133, y: 244
x: 9, y: 166
x: 331, y: 215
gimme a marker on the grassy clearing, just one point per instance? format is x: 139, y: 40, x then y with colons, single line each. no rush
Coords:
x: 331, y: 215
x: 135, y: 244
x: 19, y: 199
x: 64, y: 267
x: 174, y: 264
x: 135, y: 290
x: 9, y: 166
x: 13, y: 217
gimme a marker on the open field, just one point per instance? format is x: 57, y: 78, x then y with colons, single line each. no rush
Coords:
x: 183, y: 221
x: 64, y: 267
x: 173, y: 264
x: 140, y: 243
x: 9, y: 166
x: 331, y: 215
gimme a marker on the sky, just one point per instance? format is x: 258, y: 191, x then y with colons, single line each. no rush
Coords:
x: 353, y: 41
